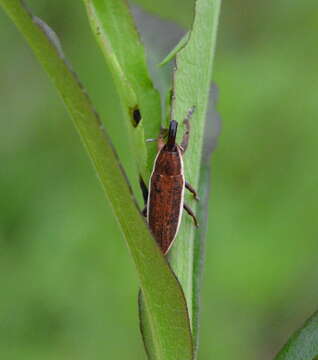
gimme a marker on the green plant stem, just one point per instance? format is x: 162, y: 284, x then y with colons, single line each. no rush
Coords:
x: 163, y: 296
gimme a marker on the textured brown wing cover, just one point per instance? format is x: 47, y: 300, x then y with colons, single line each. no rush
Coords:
x: 165, y: 201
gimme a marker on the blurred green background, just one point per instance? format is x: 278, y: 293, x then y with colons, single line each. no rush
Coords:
x: 68, y: 285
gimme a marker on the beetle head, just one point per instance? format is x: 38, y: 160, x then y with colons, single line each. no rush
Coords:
x: 172, y: 133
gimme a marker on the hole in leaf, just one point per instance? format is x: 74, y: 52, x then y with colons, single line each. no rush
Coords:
x: 136, y: 117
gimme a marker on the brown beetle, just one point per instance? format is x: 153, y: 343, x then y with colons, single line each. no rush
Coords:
x: 166, y: 189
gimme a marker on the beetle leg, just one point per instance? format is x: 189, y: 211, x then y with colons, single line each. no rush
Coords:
x: 160, y: 139
x: 190, y: 212
x: 186, y: 122
x: 192, y: 190
x: 144, y: 189
x: 151, y: 140
x: 160, y: 143
x: 144, y: 211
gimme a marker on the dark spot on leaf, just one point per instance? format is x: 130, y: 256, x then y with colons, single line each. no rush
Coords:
x: 136, y: 116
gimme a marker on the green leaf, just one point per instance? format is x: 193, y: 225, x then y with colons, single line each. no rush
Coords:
x: 119, y: 41
x: 303, y: 345
x: 168, y: 9
x: 164, y: 299
x: 181, y: 44
x: 210, y: 136
x: 211, y: 132
x: 145, y: 329
x: 191, y: 88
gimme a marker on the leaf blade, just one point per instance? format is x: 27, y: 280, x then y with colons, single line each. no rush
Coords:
x: 164, y: 300
x: 119, y: 41
x: 211, y: 133
x: 191, y: 88
x: 303, y: 344
x: 181, y: 44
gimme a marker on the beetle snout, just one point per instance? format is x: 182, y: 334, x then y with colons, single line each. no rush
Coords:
x: 171, y: 142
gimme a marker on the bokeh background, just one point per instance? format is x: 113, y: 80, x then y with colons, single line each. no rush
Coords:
x: 68, y: 285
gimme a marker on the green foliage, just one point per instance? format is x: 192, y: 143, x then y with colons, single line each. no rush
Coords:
x: 180, y: 11
x: 58, y: 268
x: 163, y: 295
x: 211, y: 132
x: 116, y: 34
x: 192, y: 84
x: 303, y: 345
x: 181, y: 44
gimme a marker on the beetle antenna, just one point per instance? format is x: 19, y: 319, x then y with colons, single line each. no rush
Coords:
x: 172, y: 134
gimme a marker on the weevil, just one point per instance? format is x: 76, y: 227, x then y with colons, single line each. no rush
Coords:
x: 166, y: 188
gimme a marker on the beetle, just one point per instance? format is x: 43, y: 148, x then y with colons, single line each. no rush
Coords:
x: 166, y: 188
